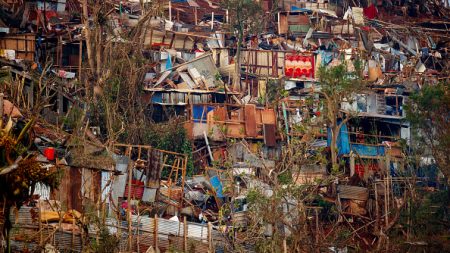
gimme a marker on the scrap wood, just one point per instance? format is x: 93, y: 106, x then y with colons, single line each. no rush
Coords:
x: 250, y: 120
x: 171, y: 84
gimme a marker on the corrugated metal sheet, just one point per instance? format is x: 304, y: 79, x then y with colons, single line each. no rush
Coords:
x: 25, y: 237
x: 170, y: 235
x: 353, y: 192
x: 261, y: 62
x: 24, y: 216
x: 66, y: 241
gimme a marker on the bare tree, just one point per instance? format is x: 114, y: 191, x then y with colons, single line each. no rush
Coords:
x: 338, y: 85
x: 245, y: 17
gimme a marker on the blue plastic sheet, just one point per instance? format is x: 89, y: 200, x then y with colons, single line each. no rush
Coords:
x: 366, y: 150
x: 199, y: 112
x: 157, y: 97
x: 217, y: 185
x: 326, y: 56
x: 343, y: 141
x: 295, y: 8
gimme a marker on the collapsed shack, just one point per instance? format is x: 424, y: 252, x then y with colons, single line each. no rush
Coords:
x: 243, y: 125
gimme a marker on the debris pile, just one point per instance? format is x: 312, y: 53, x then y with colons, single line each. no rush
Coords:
x: 309, y: 102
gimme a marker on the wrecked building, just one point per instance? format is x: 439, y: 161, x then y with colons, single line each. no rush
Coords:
x: 246, y: 113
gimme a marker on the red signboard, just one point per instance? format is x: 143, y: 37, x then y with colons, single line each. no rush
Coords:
x: 298, y: 66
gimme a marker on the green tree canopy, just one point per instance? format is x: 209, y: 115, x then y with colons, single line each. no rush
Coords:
x: 429, y: 112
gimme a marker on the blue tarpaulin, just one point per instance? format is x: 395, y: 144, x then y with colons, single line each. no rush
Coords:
x: 343, y: 141
x: 343, y: 145
x: 157, y: 97
x: 295, y: 8
x: 366, y: 150
x: 217, y: 185
x: 199, y: 112
x: 169, y: 62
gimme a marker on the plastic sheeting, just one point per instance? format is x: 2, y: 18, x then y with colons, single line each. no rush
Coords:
x: 366, y: 150
x: 199, y: 112
x: 343, y: 140
x: 217, y: 185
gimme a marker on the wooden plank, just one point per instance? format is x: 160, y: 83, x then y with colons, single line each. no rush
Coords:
x: 270, y: 135
x: 23, y: 45
x: 75, y: 189
x: 250, y: 120
x: 186, y: 78
x: 220, y: 114
x: 283, y: 24
x: 268, y: 116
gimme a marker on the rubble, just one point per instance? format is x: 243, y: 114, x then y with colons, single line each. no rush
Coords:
x: 249, y: 120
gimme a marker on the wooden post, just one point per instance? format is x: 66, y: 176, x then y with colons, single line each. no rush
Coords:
x: 40, y: 224
x: 316, y: 212
x: 130, y: 176
x: 210, y: 247
x: 386, y: 194
x: 352, y: 165
x: 183, y: 178
x: 155, y: 232
x: 396, y: 105
x: 208, y: 147
x: 185, y: 232
x: 170, y: 10
x: 385, y: 203
x: 279, y: 24
x: 137, y: 229
x: 57, y: 51
x: 284, y: 245
x: 73, y: 234
x: 195, y: 15
x: 1, y: 105
x: 60, y: 47
x: 377, y: 211
x: 80, y: 58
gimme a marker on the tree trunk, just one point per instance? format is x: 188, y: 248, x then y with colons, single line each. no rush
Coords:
x: 442, y: 164
x: 99, y: 50
x: 89, y: 47
x: 87, y: 30
x: 237, y: 62
x: 334, y: 151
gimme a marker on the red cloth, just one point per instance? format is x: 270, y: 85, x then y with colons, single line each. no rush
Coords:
x: 370, y: 12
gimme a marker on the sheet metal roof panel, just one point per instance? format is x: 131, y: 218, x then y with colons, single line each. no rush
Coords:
x: 353, y: 192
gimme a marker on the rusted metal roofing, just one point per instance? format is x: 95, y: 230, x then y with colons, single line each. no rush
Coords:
x: 353, y: 192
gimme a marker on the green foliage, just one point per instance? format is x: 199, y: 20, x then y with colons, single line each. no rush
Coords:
x: 273, y: 90
x: 106, y: 241
x: 427, y: 218
x: 170, y: 136
x: 285, y: 178
x: 73, y: 118
x: 338, y: 81
x: 428, y: 112
x: 244, y: 15
x: 254, y: 196
x: 338, y: 84
x: 218, y: 76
